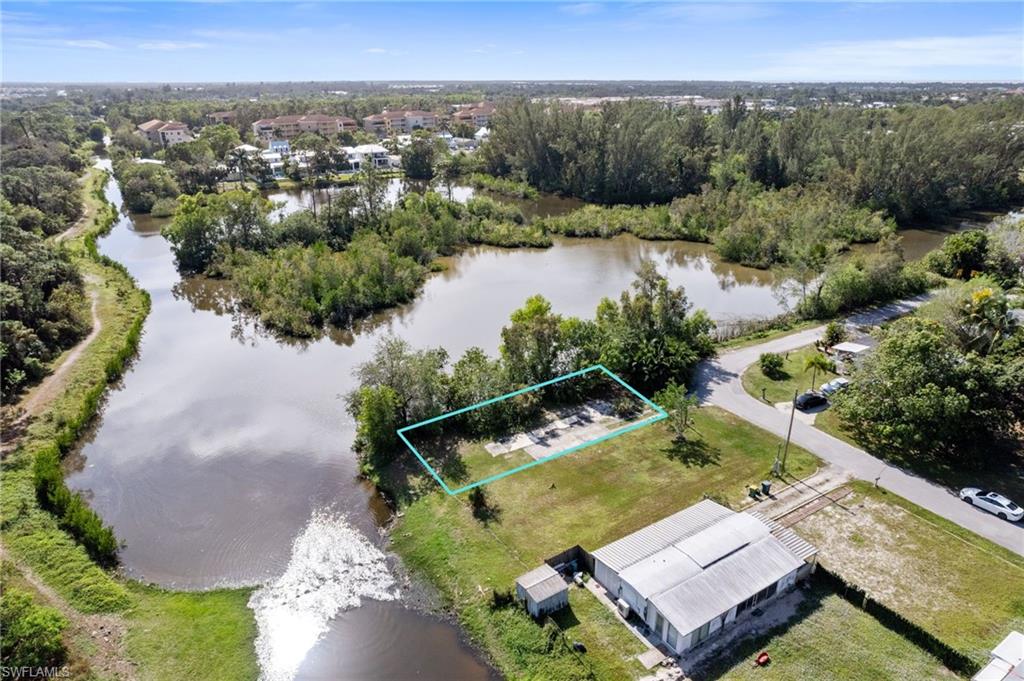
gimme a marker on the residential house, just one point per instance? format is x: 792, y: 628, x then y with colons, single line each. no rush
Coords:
x: 165, y: 133
x: 690, y: 575
x: 363, y: 154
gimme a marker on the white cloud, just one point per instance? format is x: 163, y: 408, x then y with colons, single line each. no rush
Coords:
x: 381, y: 50
x: 892, y: 59
x: 581, y: 9
x: 88, y: 44
x: 170, y: 45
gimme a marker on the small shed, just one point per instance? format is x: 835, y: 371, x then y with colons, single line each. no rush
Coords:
x: 543, y: 590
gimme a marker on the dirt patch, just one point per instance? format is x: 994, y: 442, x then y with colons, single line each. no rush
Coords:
x: 18, y: 417
x: 869, y: 544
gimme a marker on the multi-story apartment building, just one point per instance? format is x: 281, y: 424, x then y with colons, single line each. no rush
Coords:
x: 165, y: 133
x: 287, y: 127
x: 477, y: 115
x: 400, y: 121
x: 227, y: 117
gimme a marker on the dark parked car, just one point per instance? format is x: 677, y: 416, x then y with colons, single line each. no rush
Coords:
x: 810, y: 400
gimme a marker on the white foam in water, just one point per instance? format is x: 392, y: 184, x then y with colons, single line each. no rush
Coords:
x: 332, y: 568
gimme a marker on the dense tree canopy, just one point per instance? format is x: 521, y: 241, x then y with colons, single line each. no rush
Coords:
x: 912, y: 161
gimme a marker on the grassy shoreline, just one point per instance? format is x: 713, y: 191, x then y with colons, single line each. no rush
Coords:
x: 158, y: 640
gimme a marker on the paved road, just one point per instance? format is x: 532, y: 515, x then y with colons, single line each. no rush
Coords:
x: 718, y: 382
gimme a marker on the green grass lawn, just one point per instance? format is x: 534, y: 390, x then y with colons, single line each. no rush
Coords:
x: 828, y: 638
x: 191, y: 635
x: 613, y: 647
x: 590, y: 498
x: 964, y: 589
x: 793, y: 378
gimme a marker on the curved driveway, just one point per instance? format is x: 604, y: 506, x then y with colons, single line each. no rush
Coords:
x: 718, y: 382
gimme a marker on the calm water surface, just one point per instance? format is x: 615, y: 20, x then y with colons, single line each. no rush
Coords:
x: 223, y: 450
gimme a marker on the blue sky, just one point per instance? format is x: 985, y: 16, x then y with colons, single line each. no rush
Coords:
x: 236, y: 41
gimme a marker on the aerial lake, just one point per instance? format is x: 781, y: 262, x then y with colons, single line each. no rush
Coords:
x: 224, y: 456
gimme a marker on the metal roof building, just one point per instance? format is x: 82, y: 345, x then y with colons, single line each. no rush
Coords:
x: 695, y: 571
x: 543, y: 590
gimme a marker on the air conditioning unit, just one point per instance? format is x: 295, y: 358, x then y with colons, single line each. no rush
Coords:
x: 623, y: 607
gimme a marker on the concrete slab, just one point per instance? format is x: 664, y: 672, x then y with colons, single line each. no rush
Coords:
x: 651, y: 658
x: 496, y: 448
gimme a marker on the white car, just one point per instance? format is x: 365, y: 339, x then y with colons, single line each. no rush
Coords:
x: 834, y: 386
x: 993, y: 502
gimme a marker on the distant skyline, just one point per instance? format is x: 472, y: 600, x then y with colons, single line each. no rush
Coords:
x: 218, y: 41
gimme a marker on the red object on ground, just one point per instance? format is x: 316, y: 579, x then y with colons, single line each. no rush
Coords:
x: 763, y: 659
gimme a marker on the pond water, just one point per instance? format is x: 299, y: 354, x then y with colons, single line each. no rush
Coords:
x: 224, y: 455
x: 545, y: 205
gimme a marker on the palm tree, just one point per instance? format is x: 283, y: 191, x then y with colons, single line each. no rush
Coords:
x: 239, y: 161
x: 818, y: 362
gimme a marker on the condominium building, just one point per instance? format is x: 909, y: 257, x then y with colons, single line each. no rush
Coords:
x: 287, y: 127
x: 478, y: 115
x: 400, y: 121
x: 165, y: 133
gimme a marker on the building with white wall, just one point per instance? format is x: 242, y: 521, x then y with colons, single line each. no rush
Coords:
x: 165, y: 133
x: 693, y: 573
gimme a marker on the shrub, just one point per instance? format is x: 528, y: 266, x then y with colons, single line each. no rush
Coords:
x: 771, y: 364
x: 163, y: 207
x: 835, y: 333
x: 30, y: 634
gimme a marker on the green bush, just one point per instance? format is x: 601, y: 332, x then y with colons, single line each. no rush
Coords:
x: 30, y: 635
x: 771, y: 364
x: 835, y: 333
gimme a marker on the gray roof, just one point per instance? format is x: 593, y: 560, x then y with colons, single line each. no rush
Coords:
x: 649, y: 540
x: 726, y: 583
x: 797, y: 545
x: 728, y: 535
x: 542, y: 583
x: 659, y: 571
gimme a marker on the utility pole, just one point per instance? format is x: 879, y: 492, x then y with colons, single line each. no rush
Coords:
x: 792, y: 415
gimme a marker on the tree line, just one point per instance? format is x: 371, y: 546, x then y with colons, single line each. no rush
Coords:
x: 913, y: 162
x: 42, y: 296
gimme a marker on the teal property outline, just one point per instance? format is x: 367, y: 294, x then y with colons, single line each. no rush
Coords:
x: 661, y: 414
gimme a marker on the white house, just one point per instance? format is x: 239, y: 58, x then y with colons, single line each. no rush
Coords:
x: 365, y: 153
x: 542, y: 590
x: 1006, y: 661
x: 693, y: 573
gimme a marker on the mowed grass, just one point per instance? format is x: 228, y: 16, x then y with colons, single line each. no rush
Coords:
x: 962, y: 588
x: 828, y: 638
x: 590, y: 497
x: 191, y: 635
x: 615, y: 647
x: 794, y: 378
